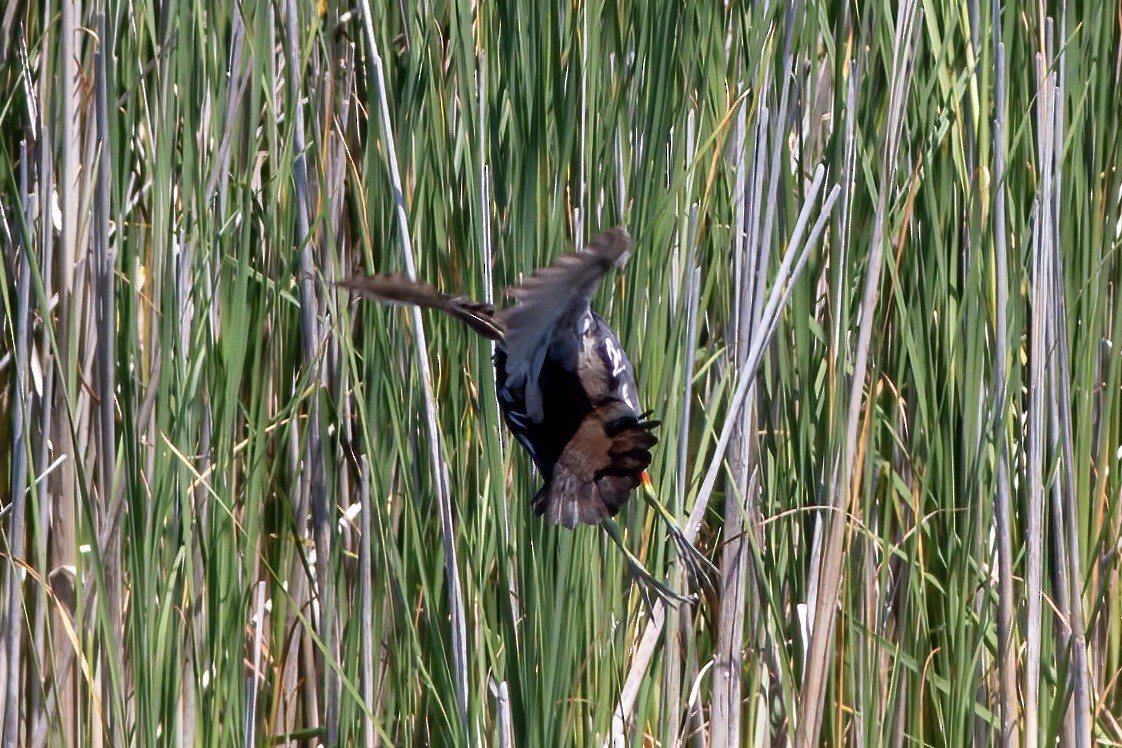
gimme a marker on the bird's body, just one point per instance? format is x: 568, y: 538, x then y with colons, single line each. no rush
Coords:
x: 579, y: 420
x: 564, y: 383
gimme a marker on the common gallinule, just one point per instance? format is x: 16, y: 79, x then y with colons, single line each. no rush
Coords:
x: 566, y: 390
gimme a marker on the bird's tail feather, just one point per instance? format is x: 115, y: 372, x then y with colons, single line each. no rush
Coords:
x: 597, y: 471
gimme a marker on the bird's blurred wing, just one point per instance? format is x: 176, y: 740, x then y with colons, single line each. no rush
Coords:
x: 399, y: 289
x: 556, y: 295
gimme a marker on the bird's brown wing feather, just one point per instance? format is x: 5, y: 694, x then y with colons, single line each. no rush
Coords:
x: 400, y: 289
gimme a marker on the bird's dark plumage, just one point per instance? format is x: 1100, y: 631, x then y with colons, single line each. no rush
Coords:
x: 565, y: 385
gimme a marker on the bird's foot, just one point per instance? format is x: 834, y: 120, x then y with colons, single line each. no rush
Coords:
x: 651, y: 591
x: 701, y: 574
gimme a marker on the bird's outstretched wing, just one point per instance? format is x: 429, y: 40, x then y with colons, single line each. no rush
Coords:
x: 552, y: 306
x: 401, y: 290
x: 562, y: 290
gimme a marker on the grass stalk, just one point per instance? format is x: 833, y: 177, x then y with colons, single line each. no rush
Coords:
x: 439, y: 466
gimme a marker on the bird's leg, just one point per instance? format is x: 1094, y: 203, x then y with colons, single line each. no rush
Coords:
x: 643, y: 579
x: 702, y: 574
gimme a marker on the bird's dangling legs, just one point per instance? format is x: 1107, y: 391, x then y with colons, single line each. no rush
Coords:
x: 650, y: 589
x: 700, y: 571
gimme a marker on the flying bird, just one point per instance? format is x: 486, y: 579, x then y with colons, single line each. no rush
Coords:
x: 567, y: 392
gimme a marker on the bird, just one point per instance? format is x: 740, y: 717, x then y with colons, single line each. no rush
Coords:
x: 567, y: 392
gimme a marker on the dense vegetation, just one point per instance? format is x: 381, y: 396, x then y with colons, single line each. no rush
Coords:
x: 874, y: 302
